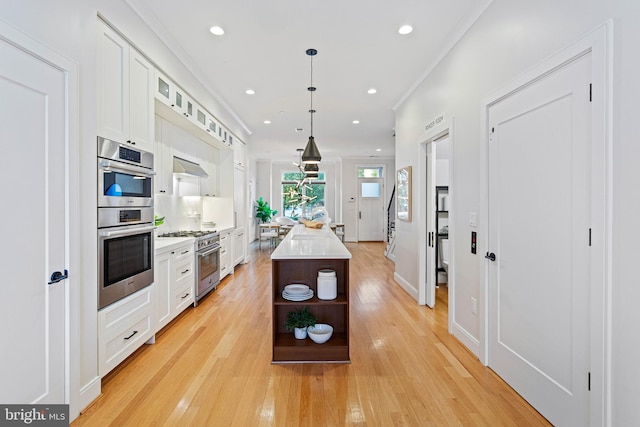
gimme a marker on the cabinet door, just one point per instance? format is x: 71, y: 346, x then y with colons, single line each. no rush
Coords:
x: 208, y: 158
x: 238, y: 246
x: 163, y: 158
x: 163, y: 88
x: 239, y: 197
x: 239, y: 151
x: 113, y: 85
x: 162, y: 279
x: 141, y: 106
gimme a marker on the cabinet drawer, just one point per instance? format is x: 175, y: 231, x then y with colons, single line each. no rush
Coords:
x: 183, y: 297
x: 183, y: 252
x: 224, y: 265
x: 123, y: 327
x: 183, y: 271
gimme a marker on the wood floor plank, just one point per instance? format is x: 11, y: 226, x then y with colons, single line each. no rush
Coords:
x: 212, y: 365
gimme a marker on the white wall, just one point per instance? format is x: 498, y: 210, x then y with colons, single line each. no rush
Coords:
x: 509, y: 38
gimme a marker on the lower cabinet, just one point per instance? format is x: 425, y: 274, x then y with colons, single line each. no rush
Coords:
x: 226, y: 253
x: 175, y: 282
x: 288, y: 349
x: 239, y: 239
x: 123, y: 327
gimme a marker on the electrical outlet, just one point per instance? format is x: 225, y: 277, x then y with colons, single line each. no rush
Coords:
x: 474, y: 306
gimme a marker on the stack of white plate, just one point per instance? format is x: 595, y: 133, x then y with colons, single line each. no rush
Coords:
x: 297, y: 292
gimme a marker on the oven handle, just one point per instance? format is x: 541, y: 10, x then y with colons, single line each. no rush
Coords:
x: 209, y: 252
x: 126, y: 168
x: 128, y: 231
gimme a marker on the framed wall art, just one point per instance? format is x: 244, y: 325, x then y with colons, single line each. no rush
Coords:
x: 403, y: 193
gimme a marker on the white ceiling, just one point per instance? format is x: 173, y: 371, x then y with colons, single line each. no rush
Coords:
x: 264, y: 49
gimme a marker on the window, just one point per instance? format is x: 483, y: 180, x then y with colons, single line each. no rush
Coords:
x: 370, y: 189
x: 370, y: 171
x: 315, y: 188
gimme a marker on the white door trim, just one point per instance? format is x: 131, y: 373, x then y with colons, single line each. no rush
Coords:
x: 447, y: 127
x: 33, y: 47
x: 599, y: 42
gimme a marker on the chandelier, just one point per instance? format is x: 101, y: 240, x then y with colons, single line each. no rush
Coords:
x: 296, y: 193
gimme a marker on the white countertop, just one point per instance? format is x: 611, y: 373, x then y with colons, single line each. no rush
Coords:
x: 164, y: 244
x: 310, y: 243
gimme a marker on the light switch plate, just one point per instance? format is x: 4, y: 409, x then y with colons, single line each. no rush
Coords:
x: 472, y: 219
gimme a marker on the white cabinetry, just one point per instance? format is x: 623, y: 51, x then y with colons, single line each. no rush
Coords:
x: 175, y: 281
x: 208, y: 159
x: 239, y: 154
x: 226, y: 256
x: 123, y: 327
x: 240, y: 212
x: 163, y: 158
x: 125, y: 91
x: 238, y: 246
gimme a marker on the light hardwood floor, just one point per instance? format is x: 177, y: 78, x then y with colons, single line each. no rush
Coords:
x: 212, y: 365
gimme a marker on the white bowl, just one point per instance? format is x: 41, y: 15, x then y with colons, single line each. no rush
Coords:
x: 320, y: 333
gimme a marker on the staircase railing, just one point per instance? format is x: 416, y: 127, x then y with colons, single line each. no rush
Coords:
x: 391, y: 215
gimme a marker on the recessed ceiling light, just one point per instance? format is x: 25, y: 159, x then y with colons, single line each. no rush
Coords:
x: 371, y: 91
x: 216, y: 31
x: 355, y: 122
x: 267, y: 122
x: 378, y: 149
x: 405, y: 29
x: 250, y: 92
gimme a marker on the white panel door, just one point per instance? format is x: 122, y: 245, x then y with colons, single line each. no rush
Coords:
x: 430, y: 209
x: 32, y: 312
x: 371, y: 205
x: 539, y: 219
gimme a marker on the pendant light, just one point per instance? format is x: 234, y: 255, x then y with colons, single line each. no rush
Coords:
x: 311, y: 153
x: 311, y: 170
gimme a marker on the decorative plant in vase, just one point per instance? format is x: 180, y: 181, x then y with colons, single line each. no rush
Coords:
x: 263, y: 212
x: 298, y: 320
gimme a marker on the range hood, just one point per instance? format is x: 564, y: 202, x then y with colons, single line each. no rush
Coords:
x: 185, y: 167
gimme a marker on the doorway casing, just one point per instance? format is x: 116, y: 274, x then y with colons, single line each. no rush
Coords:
x: 446, y: 127
x: 599, y: 42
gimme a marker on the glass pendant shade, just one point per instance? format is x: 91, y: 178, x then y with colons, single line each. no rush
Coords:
x: 311, y: 153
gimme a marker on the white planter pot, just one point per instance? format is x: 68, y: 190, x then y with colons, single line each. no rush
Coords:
x: 300, y: 333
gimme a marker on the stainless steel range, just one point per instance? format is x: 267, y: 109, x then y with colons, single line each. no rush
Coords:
x: 208, y: 262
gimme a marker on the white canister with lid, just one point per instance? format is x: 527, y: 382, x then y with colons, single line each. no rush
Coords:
x: 327, y: 284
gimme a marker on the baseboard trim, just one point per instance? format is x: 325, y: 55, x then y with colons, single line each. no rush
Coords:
x: 411, y: 290
x: 467, y: 339
x: 89, y: 393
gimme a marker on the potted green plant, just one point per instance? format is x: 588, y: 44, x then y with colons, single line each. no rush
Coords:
x: 298, y: 320
x: 263, y: 211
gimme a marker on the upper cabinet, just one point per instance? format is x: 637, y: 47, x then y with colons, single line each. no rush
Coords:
x: 197, y: 117
x: 125, y: 91
x: 239, y: 153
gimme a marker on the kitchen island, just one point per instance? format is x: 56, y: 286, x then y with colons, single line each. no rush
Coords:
x: 297, y: 260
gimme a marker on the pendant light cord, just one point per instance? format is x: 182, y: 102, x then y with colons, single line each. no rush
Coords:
x: 311, y: 89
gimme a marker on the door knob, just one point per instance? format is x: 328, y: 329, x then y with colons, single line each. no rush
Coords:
x: 490, y: 256
x: 57, y: 276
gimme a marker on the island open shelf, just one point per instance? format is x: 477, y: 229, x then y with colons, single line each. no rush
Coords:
x: 287, y: 268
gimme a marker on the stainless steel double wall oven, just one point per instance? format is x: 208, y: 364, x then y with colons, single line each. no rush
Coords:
x: 125, y: 220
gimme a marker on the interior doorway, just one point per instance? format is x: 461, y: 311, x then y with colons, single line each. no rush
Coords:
x: 434, y: 195
x: 546, y: 231
x: 371, y: 209
x: 42, y: 87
